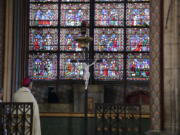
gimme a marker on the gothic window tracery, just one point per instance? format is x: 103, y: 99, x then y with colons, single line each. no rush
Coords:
x: 120, y: 32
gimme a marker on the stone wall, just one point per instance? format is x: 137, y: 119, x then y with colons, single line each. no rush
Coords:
x: 178, y: 44
x: 71, y: 96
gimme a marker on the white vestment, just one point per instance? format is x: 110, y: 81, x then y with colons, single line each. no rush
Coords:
x: 25, y: 95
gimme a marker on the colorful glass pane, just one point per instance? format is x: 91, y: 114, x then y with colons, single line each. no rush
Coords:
x: 111, y: 67
x: 138, y: 66
x: 75, y: 0
x: 138, y: 14
x: 137, y: 39
x: 108, y: 39
x: 43, y: 39
x: 74, y: 14
x: 43, y: 0
x: 109, y: 0
x: 138, y: 0
x: 69, y: 69
x: 67, y: 42
x: 109, y: 14
x: 43, y: 66
x: 43, y: 14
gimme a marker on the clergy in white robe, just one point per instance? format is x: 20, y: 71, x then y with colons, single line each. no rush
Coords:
x: 24, y: 95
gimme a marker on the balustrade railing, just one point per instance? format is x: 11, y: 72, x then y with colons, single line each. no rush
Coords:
x: 16, y: 118
x: 118, y: 119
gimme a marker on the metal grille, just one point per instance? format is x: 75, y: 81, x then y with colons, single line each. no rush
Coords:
x: 117, y: 119
x: 16, y: 118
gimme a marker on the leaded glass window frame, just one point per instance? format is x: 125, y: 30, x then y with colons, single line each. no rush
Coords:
x: 92, y: 27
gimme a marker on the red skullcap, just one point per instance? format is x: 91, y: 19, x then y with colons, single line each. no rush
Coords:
x: 26, y: 81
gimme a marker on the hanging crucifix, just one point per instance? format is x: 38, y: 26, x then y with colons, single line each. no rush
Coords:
x: 84, y: 41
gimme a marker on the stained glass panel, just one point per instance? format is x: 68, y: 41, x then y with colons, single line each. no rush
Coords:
x: 43, y: 66
x: 73, y: 14
x: 138, y: 14
x: 138, y: 0
x: 69, y: 69
x: 137, y: 39
x: 108, y: 39
x: 75, y: 0
x: 111, y: 67
x: 43, y: 14
x: 67, y: 42
x: 138, y: 66
x: 43, y: 39
x: 109, y: 0
x: 109, y: 14
x: 43, y: 0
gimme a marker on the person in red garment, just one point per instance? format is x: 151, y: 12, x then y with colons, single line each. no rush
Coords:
x: 139, y: 47
x: 24, y: 95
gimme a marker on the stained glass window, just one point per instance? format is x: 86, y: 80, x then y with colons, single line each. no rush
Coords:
x: 73, y: 14
x: 67, y: 39
x: 43, y: 39
x: 109, y: 14
x: 137, y: 39
x: 43, y: 14
x: 108, y: 0
x: 139, y: 0
x: 108, y: 39
x: 138, y: 66
x: 69, y: 69
x: 120, y: 33
x: 138, y: 14
x: 43, y: 66
x: 111, y: 67
x: 75, y: 0
x: 43, y: 0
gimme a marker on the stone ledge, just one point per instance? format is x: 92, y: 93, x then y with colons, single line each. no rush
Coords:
x: 153, y: 132
x: 158, y: 132
x: 170, y: 133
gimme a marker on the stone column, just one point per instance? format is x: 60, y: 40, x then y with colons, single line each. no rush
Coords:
x: 8, y: 46
x: 2, y: 18
x: 15, y: 46
x: 20, y: 42
x: 171, y: 68
x: 155, y: 70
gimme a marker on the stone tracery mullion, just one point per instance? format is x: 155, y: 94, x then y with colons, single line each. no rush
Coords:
x: 155, y: 43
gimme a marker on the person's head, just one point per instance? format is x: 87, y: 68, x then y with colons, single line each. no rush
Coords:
x: 27, y: 82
